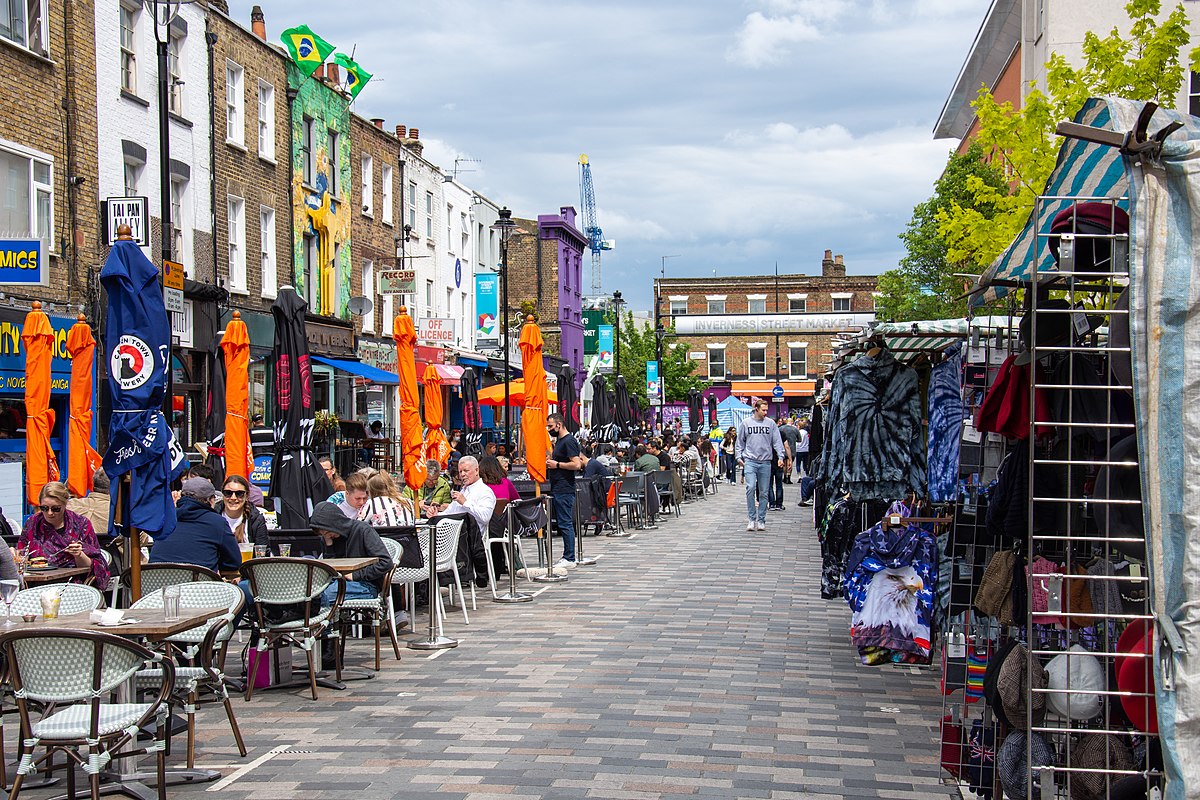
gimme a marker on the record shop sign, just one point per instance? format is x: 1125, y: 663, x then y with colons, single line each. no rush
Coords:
x: 698, y: 324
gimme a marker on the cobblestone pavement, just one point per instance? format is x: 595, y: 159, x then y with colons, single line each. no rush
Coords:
x: 694, y: 661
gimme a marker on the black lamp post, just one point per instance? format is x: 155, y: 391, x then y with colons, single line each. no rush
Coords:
x: 617, y: 302
x: 505, y: 226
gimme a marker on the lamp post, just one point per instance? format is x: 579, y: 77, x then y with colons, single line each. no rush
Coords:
x: 617, y: 302
x: 505, y: 227
x: 659, y: 332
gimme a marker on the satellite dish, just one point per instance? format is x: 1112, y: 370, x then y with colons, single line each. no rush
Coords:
x: 360, y: 306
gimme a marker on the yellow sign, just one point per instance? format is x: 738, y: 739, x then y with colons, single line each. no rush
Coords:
x: 173, y: 275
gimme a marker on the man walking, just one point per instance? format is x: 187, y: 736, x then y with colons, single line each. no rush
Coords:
x: 564, y: 461
x: 758, y: 447
x: 791, y: 437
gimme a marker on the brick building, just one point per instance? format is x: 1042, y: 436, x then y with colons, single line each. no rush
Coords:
x: 747, y: 332
x: 545, y: 258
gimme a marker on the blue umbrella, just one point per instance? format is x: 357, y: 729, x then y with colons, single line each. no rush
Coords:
x: 137, y: 341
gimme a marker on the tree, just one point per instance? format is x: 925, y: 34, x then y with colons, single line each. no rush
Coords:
x: 1143, y: 66
x: 924, y: 286
x: 676, y: 369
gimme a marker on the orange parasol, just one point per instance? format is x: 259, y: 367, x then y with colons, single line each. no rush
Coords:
x: 436, y: 445
x: 533, y: 418
x: 82, y: 460
x: 40, y: 464
x: 494, y: 395
x: 411, y: 445
x: 236, y: 346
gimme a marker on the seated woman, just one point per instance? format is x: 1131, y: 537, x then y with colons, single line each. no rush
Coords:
x: 244, y: 519
x: 386, y: 508
x: 493, y: 475
x: 62, y: 537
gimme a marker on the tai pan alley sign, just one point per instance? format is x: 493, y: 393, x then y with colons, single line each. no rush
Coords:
x: 693, y: 325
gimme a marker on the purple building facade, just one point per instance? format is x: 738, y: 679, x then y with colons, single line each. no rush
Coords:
x: 569, y: 245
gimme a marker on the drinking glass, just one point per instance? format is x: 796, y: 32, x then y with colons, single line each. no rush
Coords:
x: 8, y: 593
x: 170, y: 603
x: 260, y: 551
x: 285, y: 550
x: 247, y: 551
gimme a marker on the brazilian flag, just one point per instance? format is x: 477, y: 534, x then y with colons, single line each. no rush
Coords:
x: 356, y: 76
x: 308, y: 50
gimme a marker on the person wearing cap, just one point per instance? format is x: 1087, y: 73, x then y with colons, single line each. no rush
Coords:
x: 262, y: 438
x: 202, y: 537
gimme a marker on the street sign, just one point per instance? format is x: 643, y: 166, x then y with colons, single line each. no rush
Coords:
x: 398, y: 281
x: 173, y: 298
x: 131, y: 211
x: 173, y: 275
x: 777, y: 392
x: 437, y: 330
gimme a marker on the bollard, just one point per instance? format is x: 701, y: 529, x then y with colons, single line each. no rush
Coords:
x: 513, y: 595
x: 551, y: 576
x: 580, y: 558
x: 434, y: 641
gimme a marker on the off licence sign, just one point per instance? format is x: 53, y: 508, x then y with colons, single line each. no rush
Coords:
x: 398, y: 281
x: 437, y: 330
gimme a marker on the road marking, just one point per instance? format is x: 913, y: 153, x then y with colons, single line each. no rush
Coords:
x: 256, y: 763
x: 539, y: 591
x: 435, y: 654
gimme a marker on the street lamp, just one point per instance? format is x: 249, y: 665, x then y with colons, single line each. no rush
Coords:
x: 659, y: 332
x: 617, y: 302
x: 505, y: 227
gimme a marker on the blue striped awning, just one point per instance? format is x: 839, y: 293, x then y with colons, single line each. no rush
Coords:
x: 1084, y: 170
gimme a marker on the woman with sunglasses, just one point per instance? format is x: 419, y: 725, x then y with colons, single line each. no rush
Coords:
x: 62, y: 537
x: 243, y: 517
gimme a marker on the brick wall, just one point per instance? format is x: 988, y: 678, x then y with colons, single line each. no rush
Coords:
x: 372, y: 238
x: 524, y: 284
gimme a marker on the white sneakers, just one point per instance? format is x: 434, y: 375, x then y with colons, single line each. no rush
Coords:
x: 562, y: 563
x: 762, y: 526
x: 750, y: 525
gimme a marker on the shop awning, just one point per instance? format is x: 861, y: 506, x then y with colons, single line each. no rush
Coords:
x: 372, y: 374
x: 764, y: 388
x: 449, y: 373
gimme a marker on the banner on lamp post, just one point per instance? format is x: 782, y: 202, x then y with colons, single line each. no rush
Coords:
x: 604, y: 346
x: 487, y: 308
x: 653, y: 383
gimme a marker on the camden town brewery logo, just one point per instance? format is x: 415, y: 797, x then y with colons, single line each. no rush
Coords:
x: 132, y: 362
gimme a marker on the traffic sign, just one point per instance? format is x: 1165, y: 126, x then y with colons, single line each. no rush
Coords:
x: 777, y: 391
x: 173, y: 299
x: 173, y: 275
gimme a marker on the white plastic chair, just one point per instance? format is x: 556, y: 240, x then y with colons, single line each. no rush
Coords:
x: 447, y: 549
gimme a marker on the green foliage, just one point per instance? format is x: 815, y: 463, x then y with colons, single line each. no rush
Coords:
x: 1021, y: 142
x: 637, y: 348
x: 924, y: 286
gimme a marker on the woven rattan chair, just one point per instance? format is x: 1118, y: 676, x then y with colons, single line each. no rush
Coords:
x: 156, y: 576
x: 76, y: 598
x: 201, y: 651
x: 373, y: 609
x: 279, y: 582
x: 82, y: 721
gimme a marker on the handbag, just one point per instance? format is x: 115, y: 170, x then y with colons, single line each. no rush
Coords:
x: 410, y: 550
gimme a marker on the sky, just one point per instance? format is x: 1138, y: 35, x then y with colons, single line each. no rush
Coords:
x: 732, y: 134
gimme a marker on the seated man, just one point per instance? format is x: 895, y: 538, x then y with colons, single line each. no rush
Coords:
x: 434, y: 495
x: 645, y: 462
x: 349, y: 538
x: 201, y: 536
x: 476, y: 497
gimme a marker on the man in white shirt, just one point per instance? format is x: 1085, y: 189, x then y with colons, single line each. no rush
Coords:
x: 476, y: 497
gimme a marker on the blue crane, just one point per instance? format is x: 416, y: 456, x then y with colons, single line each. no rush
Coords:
x: 591, y: 226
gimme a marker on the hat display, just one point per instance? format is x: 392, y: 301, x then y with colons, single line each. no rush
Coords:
x: 1053, y: 328
x: 981, y: 759
x: 1014, y: 683
x: 994, y: 596
x: 1099, y: 751
x: 1013, y: 769
x: 1136, y: 675
x: 1039, y: 589
x: 1119, y: 483
x: 1090, y: 219
x: 1077, y: 676
x: 1077, y: 600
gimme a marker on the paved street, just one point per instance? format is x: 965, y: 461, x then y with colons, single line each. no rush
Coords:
x: 695, y: 661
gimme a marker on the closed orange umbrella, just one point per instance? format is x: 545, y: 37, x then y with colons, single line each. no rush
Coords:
x: 82, y: 460
x: 40, y: 464
x: 436, y: 445
x: 236, y: 346
x: 533, y: 418
x: 411, y: 444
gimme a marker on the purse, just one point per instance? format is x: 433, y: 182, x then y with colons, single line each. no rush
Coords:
x: 410, y: 550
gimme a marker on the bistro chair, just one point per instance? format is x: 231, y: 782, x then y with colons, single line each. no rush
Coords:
x: 664, y: 485
x: 629, y: 498
x: 279, y: 583
x: 447, y: 552
x: 75, y: 598
x: 205, y: 646
x: 383, y: 454
x: 409, y: 577
x: 156, y: 576
x: 373, y: 609
x: 82, y: 721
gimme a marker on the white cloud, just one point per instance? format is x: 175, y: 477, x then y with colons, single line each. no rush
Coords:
x: 763, y: 40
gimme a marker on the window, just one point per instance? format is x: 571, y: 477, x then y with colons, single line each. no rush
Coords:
x: 757, y: 361
x: 1194, y: 94
x: 874, y: 301
x: 236, y: 211
x: 716, y: 363
x: 266, y: 121
x: 129, y: 54
x: 449, y: 301
x: 24, y: 22
x: 26, y: 197
x: 266, y: 247
x: 465, y: 224
x: 429, y: 216
x: 367, y: 174
x: 133, y: 171
x: 841, y: 302
x: 716, y: 306
x: 798, y: 361
x: 178, y: 245
x: 756, y: 305
x: 449, y: 233
x: 678, y: 307
x: 331, y: 162
x: 234, y: 105
x: 312, y: 271
x: 412, y: 206
x: 798, y: 305
x: 429, y: 298
x: 306, y: 151
x: 175, y: 74
x: 368, y: 275
x: 385, y: 178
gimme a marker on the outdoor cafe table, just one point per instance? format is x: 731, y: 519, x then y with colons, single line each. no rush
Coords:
x: 151, y: 624
x: 38, y: 577
x: 345, y: 566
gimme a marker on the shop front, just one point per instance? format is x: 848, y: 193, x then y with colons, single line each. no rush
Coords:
x: 790, y: 395
x: 377, y: 401
x: 333, y: 389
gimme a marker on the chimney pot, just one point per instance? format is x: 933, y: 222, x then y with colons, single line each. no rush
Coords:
x: 258, y: 24
x: 377, y: 122
x: 414, y: 133
x: 838, y: 259
x: 828, y: 255
x: 332, y: 71
x: 319, y: 72
x: 401, y: 132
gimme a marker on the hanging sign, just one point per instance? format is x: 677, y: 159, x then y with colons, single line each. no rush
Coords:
x: 398, y: 281
x: 487, y: 308
x: 652, y: 383
x: 131, y: 211
x: 604, y: 346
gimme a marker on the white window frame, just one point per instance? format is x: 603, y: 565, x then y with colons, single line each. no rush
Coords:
x: 367, y: 181
x: 28, y: 33
x: 268, y: 263
x: 331, y: 161
x: 716, y: 303
x: 449, y: 232
x: 235, y: 104
x: 803, y: 300
x: 41, y: 196
x: 308, y: 158
x: 127, y: 43
x: 834, y: 297
x: 428, y: 298
x: 716, y: 348
x: 385, y: 185
x: 803, y: 348
x: 751, y: 349
x: 131, y: 175
x: 429, y: 217
x: 412, y: 205
x: 175, y: 60
x: 875, y: 300
x: 756, y: 298
x: 235, y: 222
x: 180, y: 247
x: 266, y: 121
x: 368, y: 277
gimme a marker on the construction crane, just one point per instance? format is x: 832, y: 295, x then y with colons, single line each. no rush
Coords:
x: 591, y: 226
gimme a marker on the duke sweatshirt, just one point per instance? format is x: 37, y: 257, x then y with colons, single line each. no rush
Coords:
x: 758, y: 440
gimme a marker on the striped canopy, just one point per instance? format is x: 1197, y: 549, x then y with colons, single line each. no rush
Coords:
x: 1084, y: 170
